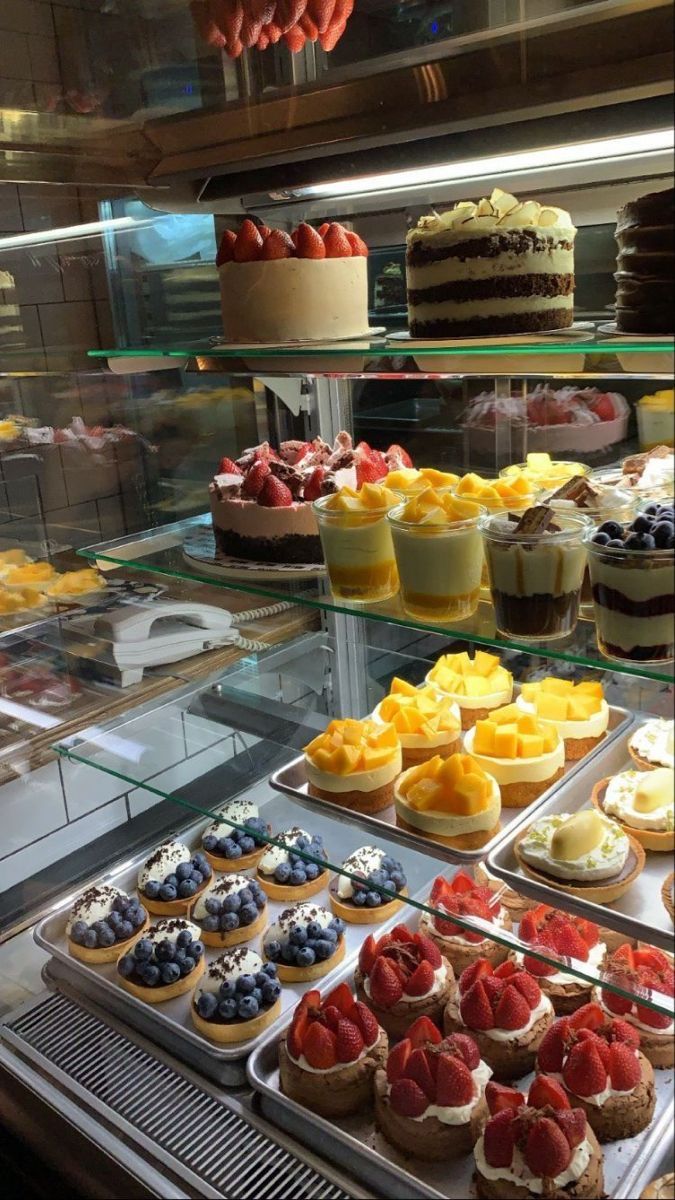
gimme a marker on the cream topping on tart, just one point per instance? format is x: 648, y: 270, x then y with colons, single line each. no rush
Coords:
x: 459, y: 1114
x: 95, y: 904
x: 520, y: 1174
x: 168, y: 928
x: 240, y: 811
x: 224, y: 885
x: 581, y: 846
x: 365, y: 862
x: 632, y: 1018
x: 542, y: 1009
x: 643, y: 799
x: 297, y: 915
x: 274, y: 856
x: 655, y: 742
x: 440, y: 980
x: 228, y: 967
x: 162, y: 862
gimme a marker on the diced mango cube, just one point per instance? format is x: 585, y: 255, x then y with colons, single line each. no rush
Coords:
x: 521, y: 485
x: 469, y: 797
x: 530, y: 745
x: 551, y: 738
x: 528, y: 723
x: 475, y: 685
x: 557, y: 687
x: 591, y: 688
x: 507, y: 715
x: 401, y: 687
x: 529, y: 691
x: 506, y: 741
x: 484, y: 664
x: 372, y: 759
x: 484, y: 737
x: 552, y: 707
x: 425, y: 794
x: 352, y: 733
x: 322, y: 759
x: 452, y: 770
x: 347, y: 759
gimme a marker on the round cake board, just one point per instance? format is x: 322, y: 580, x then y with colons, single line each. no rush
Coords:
x: 255, y: 347
x: 200, y: 549
x: 581, y: 331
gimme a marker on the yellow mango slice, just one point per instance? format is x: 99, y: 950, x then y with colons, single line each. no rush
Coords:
x: 401, y: 687
x: 552, y: 707
x: 530, y: 745
x: 506, y: 741
x: 484, y: 737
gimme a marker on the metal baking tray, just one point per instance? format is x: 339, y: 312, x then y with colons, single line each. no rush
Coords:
x: 640, y: 913
x: 170, y: 1024
x: 628, y: 1163
x: 292, y: 780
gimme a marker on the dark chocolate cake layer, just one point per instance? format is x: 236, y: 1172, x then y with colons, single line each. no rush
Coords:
x: 645, y: 295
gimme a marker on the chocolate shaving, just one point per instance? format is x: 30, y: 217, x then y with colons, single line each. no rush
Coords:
x: 579, y: 490
x: 538, y: 519
x: 635, y: 465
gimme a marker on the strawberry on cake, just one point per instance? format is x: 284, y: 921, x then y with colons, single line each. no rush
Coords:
x: 536, y: 1145
x: 401, y: 976
x: 261, y: 504
x: 463, y: 897
x: 429, y: 1098
x: 329, y: 1054
x: 601, y: 1070
x: 546, y: 929
x: 649, y: 970
x: 506, y: 1013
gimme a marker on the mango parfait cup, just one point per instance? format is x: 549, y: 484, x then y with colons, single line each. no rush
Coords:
x: 439, y: 559
x: 357, y: 547
x: 410, y: 481
x: 543, y: 472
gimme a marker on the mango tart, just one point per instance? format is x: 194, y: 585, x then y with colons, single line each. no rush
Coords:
x: 451, y: 799
x: 354, y: 764
x: 478, y: 684
x: 578, y: 711
x: 409, y: 480
x: 510, y: 494
x: 371, y: 497
x: 524, y: 754
x: 423, y: 720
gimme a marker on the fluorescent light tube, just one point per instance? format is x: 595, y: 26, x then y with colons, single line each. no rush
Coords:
x: 68, y: 232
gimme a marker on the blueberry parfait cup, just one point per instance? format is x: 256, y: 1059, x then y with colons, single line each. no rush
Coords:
x: 237, y: 998
x: 167, y: 962
x: 232, y: 910
x: 230, y: 849
x: 370, y: 899
x: 305, y: 943
x: 103, y: 923
x: 171, y: 878
x: 285, y: 874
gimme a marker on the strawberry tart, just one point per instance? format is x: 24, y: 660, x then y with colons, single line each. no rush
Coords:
x: 261, y: 504
x: 505, y: 1011
x: 428, y: 1100
x: 401, y: 976
x: 602, y: 1070
x: 536, y: 1145
x: 649, y: 969
x: 462, y: 897
x: 547, y: 930
x: 329, y: 1055
x: 307, y: 286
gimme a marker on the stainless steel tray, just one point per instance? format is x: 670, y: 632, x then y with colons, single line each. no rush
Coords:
x: 292, y: 780
x: 640, y: 913
x: 628, y: 1163
x: 170, y: 1024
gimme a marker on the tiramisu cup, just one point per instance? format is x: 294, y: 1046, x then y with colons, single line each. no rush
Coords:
x: 402, y: 976
x: 232, y: 910
x: 237, y: 998
x: 579, y: 712
x: 583, y: 853
x: 103, y: 923
x: 643, y: 803
x: 477, y: 685
x: 368, y: 899
x: 357, y: 545
x: 439, y: 556
x: 598, y: 502
x: 426, y: 723
x: 450, y: 800
x: 522, y: 754
x: 653, y: 744
x: 354, y: 764
x: 462, y: 897
x: 536, y: 567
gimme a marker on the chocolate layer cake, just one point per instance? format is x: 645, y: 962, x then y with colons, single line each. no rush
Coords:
x: 496, y: 267
x: 645, y: 293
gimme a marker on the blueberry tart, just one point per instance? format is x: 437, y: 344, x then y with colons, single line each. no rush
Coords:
x: 171, y: 877
x: 167, y: 962
x: 284, y: 874
x: 305, y: 942
x: 232, y: 909
x: 238, y: 997
x: 103, y: 923
x: 230, y: 849
x: 368, y: 900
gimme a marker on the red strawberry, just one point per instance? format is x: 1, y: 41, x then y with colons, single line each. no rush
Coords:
x: 467, y: 1048
x: 572, y: 1122
x: 348, y: 1041
x: 545, y: 1090
x: 655, y: 1020
x: 472, y: 974
x: 476, y: 1010
x: 400, y: 933
x: 297, y: 1032
x: 649, y: 956
x: 332, y: 1016
x: 367, y: 472
x: 528, y: 988
x: 359, y: 250
x: 263, y: 41
x: 499, y: 1097
x: 499, y: 1139
x: 386, y: 988
x: 529, y: 925
x: 418, y: 1068
x: 616, y: 1004
x: 589, y: 931
x: 494, y: 988
x: 624, y: 1067
x: 512, y: 1011
x: 228, y: 467
x: 273, y: 32
x: 337, y: 243
x: 319, y: 1047
x: 621, y: 1031
x: 308, y: 27
x: 226, y: 248
x: 407, y: 1098
x: 422, y: 1032
x: 625, y: 955
x: 206, y: 26
x: 311, y: 1001
x: 313, y: 486
x: 397, y: 1060
x: 341, y: 997
x: 275, y: 494
x: 421, y: 981
x: 547, y: 1151
x: 366, y: 1022
x: 429, y: 951
x: 587, y: 1035
x: 321, y: 12
x: 568, y: 941
x: 589, y: 1016
x: 552, y: 1049
x: 249, y: 243
x: 584, y: 1072
x: 454, y: 1084
x: 288, y: 13
x: 255, y: 479
x: 277, y: 245
x: 535, y: 967
x: 367, y: 954
x: 506, y: 969
x: 396, y: 458
x: 331, y: 37
x: 310, y: 245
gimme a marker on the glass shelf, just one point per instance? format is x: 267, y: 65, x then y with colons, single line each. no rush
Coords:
x: 161, y: 551
x: 132, y: 751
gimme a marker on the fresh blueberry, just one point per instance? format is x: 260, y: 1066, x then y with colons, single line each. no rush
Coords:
x: 398, y: 879
x: 247, y: 845
x: 203, y: 866
x: 373, y: 899
x: 324, y: 949
x: 228, y: 989
x: 273, y: 952
x: 270, y: 970
x: 232, y: 904
x: 143, y: 950
x: 165, y: 951
x: 125, y: 930
x: 312, y: 871
x: 600, y: 539
x: 170, y: 972
x: 90, y: 939
x: 207, y: 1006
x: 136, y: 915
x: 289, y: 953
x: 246, y: 895
x: 302, y: 843
x: 643, y: 523
x: 329, y: 935
x: 211, y: 923
x: 115, y: 919
x: 248, y: 1008
x: 197, y: 950
x: 183, y: 871
x: 152, y: 889
x: 640, y: 541
x: 652, y: 509
x: 314, y: 929
x: 612, y: 528
x: 168, y: 892
x: 106, y: 937
x: 227, y: 1009
x: 260, y: 979
x: 338, y: 925
x: 615, y: 544
x: 359, y: 898
x: 260, y: 900
x: 199, y: 859
x: 306, y: 957
x: 171, y: 879
x: 257, y: 995
x: 188, y: 964
x: 187, y: 888
x: 298, y: 877
x: 213, y: 905
x: 246, y: 984
x: 282, y: 873
x: 662, y: 534
x: 229, y: 922
x: 126, y: 965
x: 271, y: 992
x: 210, y: 843
x: 179, y: 954
x: 78, y: 931
x: 149, y: 973
x: 388, y: 864
x: 197, y: 878
x: 120, y: 904
x: 248, y: 914
x: 184, y: 939
x: 298, y: 935
x: 98, y: 926
x: 234, y: 850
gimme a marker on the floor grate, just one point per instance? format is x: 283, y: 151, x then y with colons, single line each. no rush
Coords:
x: 198, y: 1130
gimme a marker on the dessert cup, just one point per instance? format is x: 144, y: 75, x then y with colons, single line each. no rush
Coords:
x: 632, y: 600
x: 477, y: 685
x: 601, y: 892
x: 359, y: 552
x: 496, y: 495
x: 544, y: 473
x: 439, y: 565
x: 535, y: 578
x: 612, y: 503
x: 659, y: 840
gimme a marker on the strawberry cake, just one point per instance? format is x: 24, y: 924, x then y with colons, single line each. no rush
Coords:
x: 651, y: 970
x: 307, y: 286
x: 601, y: 1070
x: 505, y: 1011
x: 261, y: 504
x: 429, y: 1098
x: 329, y: 1054
x: 547, y: 930
x: 536, y: 1145
x: 462, y: 897
x: 401, y: 976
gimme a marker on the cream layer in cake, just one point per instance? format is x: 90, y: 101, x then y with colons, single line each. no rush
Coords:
x: 294, y: 299
x: 357, y: 781
x: 518, y: 770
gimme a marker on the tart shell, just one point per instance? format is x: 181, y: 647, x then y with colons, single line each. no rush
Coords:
x: 284, y: 891
x: 228, y: 866
x: 668, y: 895
x: 221, y: 940
x: 342, y: 1093
x: 461, y: 955
x: 364, y: 916
x: 643, y: 763
x: 172, y: 908
x: 430, y: 1140
x: 621, y: 1116
x: 397, y: 1020
x: 158, y: 995
x: 106, y: 954
x: 238, y: 1031
x: 289, y: 974
x: 509, y: 1060
x: 364, y: 802
x: 600, y: 892
x: 463, y: 841
x: 652, y: 839
x: 589, y: 1186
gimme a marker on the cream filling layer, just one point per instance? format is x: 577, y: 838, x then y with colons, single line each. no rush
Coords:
x: 229, y: 967
x: 447, y: 270
x: 440, y: 980
x: 543, y: 1009
x: 93, y: 905
x: 667, y: 1032
x: 163, y: 862
x: 365, y: 861
x: 604, y: 862
x: 518, y: 770
x: 494, y: 307
x: 222, y: 886
x: 619, y: 801
x: 520, y: 1174
x: 451, y: 824
x: 460, y: 1114
x: 594, y: 727
x: 341, y: 1066
x: 654, y: 742
x: 596, y: 955
x: 359, y: 781
x: 168, y: 928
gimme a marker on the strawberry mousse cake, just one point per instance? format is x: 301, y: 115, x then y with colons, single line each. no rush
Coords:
x: 103, y: 923
x: 237, y: 998
x: 429, y: 1098
x: 579, y: 712
x: 462, y: 897
x: 547, y: 930
x: 306, y: 941
x: 171, y: 878
x: 261, y: 503
x: 426, y: 723
x: 354, y: 764
x: 307, y: 286
x: 232, y: 909
x: 651, y: 970
x: 402, y: 976
x: 364, y: 896
x: 505, y: 1011
x: 536, y: 1145
x: 524, y: 756
x: 601, y: 1070
x: 330, y: 1053
x: 477, y: 684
